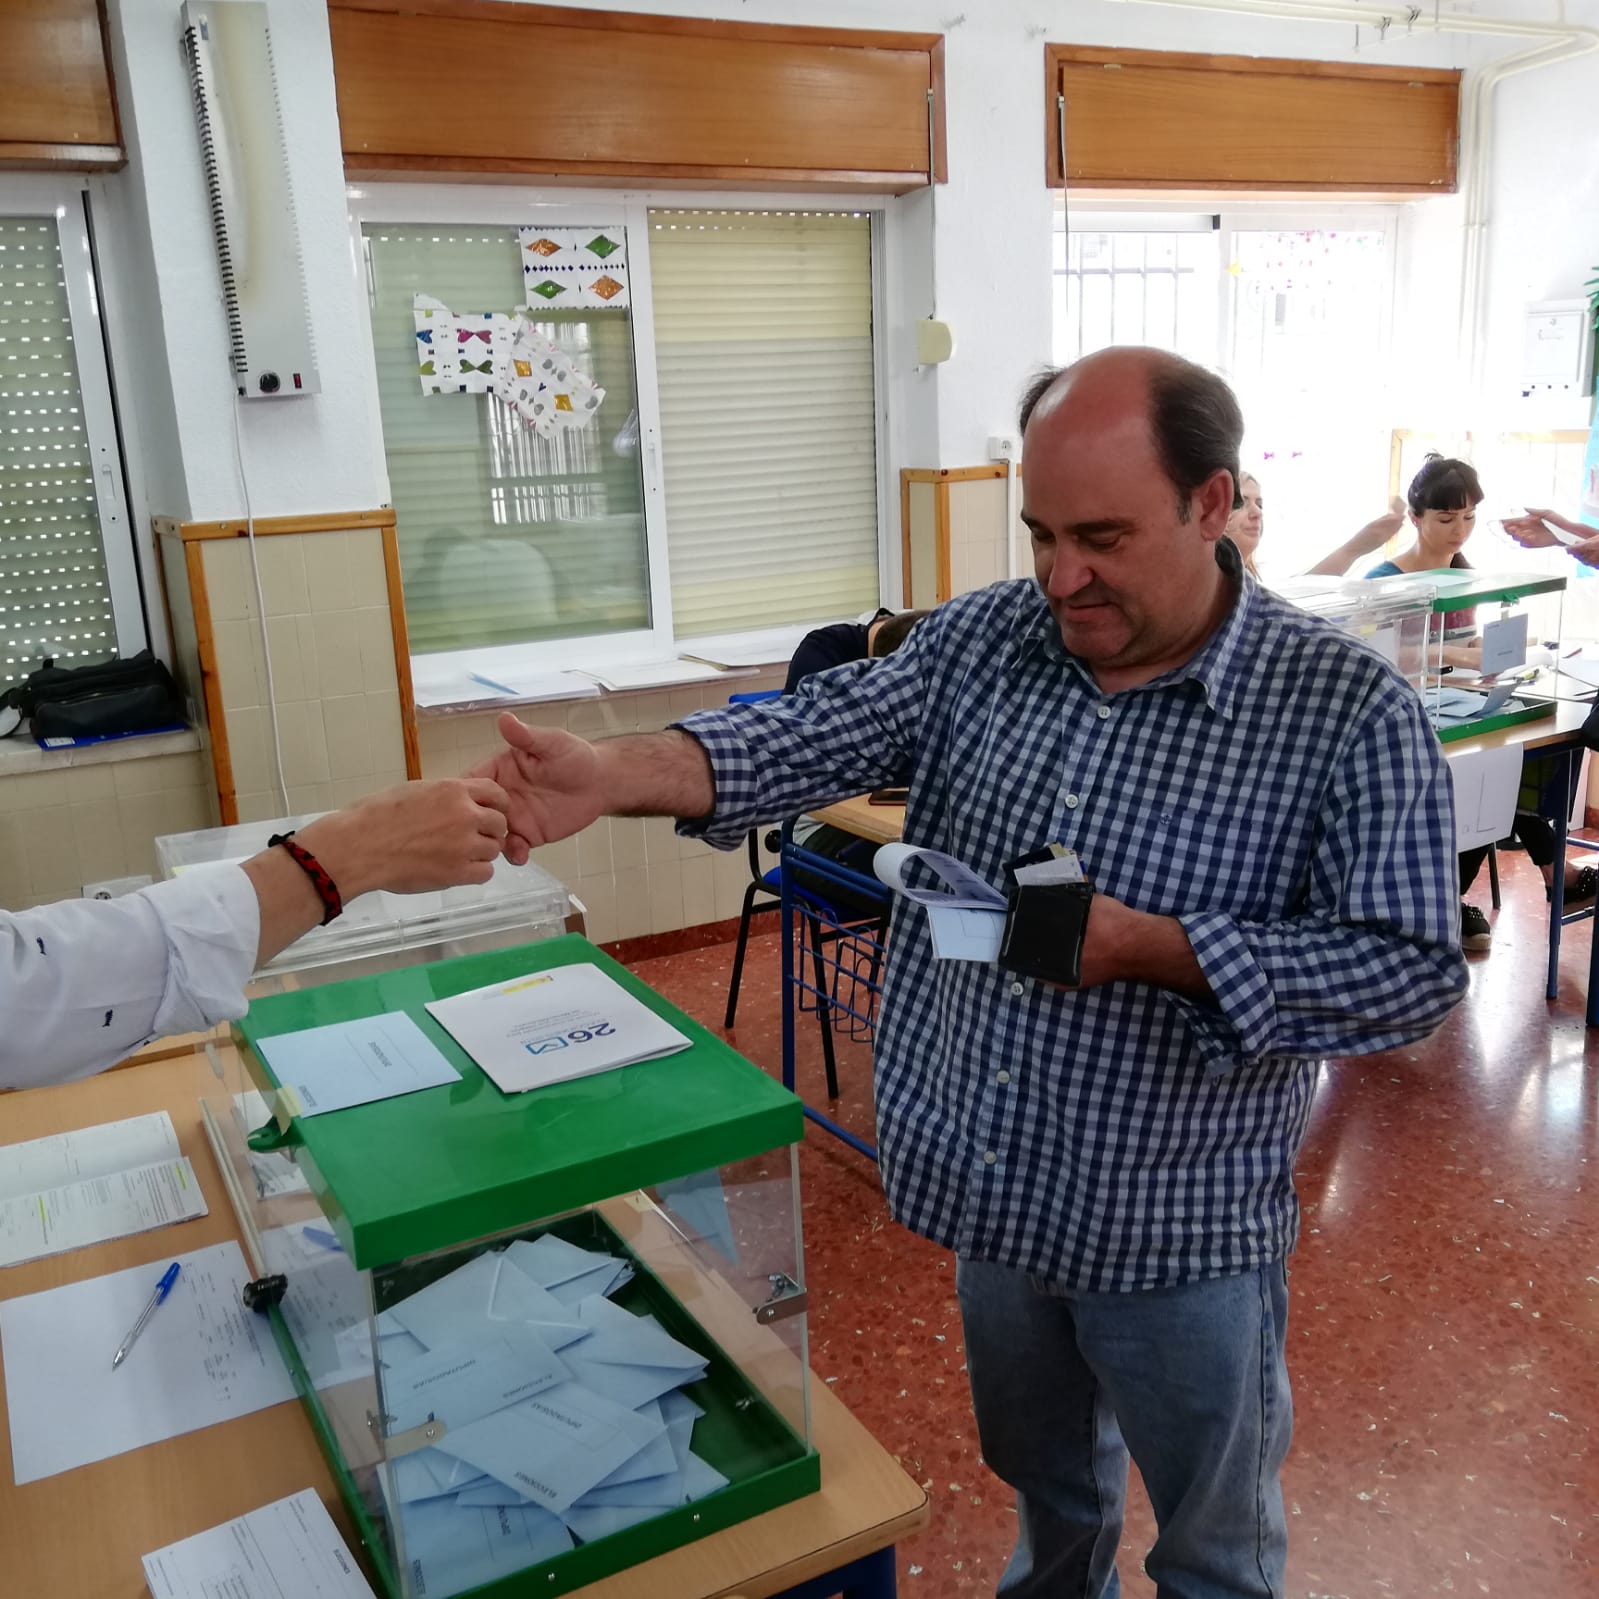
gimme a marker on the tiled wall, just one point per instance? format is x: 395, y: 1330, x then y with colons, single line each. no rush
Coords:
x: 334, y: 678
x: 62, y: 828
x: 966, y: 506
x: 635, y: 876
x: 977, y: 535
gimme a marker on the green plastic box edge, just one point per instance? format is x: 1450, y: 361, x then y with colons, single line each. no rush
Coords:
x: 770, y: 1118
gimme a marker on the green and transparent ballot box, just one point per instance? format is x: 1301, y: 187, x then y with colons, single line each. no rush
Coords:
x: 381, y: 931
x: 541, y: 1336
x: 1515, y: 618
x: 1429, y: 623
x: 1389, y: 614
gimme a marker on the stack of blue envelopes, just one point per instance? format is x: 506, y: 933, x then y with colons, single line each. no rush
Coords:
x: 563, y: 1416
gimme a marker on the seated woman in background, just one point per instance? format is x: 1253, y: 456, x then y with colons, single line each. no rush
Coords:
x: 1443, y: 499
x: 1248, y: 522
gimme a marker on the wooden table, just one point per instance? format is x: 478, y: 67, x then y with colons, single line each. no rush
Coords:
x: 80, y: 1535
x: 881, y: 824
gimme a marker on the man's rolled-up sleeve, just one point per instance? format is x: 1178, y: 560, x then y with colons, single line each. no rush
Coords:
x: 1373, y: 960
x: 843, y: 732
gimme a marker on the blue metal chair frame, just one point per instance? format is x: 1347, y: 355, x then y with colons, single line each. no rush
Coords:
x: 845, y: 957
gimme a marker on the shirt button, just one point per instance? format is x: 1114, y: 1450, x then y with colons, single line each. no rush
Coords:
x: 1001, y: 1077
x: 1071, y: 802
x: 989, y: 1157
x: 1018, y: 988
x: 1102, y: 712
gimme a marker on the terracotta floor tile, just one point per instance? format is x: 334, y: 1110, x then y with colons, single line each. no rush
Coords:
x: 1444, y: 1341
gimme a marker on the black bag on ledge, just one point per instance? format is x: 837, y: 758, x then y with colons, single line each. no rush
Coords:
x: 86, y: 702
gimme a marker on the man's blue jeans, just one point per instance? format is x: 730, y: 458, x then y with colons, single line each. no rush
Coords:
x: 1190, y: 1381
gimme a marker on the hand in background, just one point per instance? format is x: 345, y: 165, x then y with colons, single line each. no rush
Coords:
x: 1530, y: 532
x: 413, y: 838
x: 1588, y: 551
x: 551, y: 780
x: 1376, y: 533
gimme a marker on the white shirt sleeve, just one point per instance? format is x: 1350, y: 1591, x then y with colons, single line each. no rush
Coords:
x: 85, y: 982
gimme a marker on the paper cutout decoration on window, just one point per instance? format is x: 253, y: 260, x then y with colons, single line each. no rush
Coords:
x: 552, y: 396
x: 581, y: 267
x: 504, y: 355
x: 458, y: 354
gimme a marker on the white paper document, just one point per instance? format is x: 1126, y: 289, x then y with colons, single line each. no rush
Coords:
x: 966, y: 917
x: 1504, y: 644
x: 459, y: 685
x: 202, y: 1359
x: 1486, y: 785
x: 767, y: 646
x: 80, y: 1188
x: 625, y: 679
x: 287, y: 1550
x: 355, y: 1063
x: 552, y: 1026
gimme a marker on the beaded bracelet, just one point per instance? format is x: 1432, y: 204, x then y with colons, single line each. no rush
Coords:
x: 327, y: 889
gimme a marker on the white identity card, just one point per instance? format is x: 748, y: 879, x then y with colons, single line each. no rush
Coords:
x: 203, y: 1358
x: 355, y: 1063
x: 287, y: 1548
x: 552, y: 1026
x: 83, y: 1187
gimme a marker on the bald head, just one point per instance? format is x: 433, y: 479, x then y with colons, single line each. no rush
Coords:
x: 1129, y: 474
x: 1191, y: 416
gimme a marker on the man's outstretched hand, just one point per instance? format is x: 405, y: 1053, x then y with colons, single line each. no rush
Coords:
x: 552, y: 780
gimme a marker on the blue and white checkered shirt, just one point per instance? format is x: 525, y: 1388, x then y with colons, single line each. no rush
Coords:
x: 1282, y: 794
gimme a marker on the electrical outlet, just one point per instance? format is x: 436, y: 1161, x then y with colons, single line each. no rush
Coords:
x: 1002, y: 447
x: 114, y: 887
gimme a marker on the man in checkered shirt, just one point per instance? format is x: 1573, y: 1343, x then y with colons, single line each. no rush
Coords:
x: 1265, y: 814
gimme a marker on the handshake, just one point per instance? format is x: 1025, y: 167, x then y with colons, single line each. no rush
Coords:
x: 543, y: 786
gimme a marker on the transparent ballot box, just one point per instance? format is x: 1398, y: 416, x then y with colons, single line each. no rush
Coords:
x: 540, y: 1336
x: 381, y: 931
x: 1390, y: 614
x: 1517, y: 618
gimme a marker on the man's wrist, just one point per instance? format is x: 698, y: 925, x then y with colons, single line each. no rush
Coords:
x: 345, y: 850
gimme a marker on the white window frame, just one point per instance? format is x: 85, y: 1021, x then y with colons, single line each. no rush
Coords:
x: 40, y: 195
x: 1085, y: 215
x: 459, y: 205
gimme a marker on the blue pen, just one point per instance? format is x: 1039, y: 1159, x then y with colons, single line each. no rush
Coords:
x: 162, y: 1289
x: 320, y: 1235
x: 488, y: 682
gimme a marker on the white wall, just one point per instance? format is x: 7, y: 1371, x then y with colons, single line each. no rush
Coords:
x: 984, y: 236
x: 305, y: 455
x: 1543, y: 219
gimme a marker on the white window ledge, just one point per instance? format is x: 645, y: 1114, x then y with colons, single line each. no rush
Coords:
x: 19, y: 755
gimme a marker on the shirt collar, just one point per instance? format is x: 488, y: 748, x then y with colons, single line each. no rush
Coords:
x: 1217, y: 667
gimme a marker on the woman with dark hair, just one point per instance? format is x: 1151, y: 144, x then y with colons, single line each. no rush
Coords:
x: 1443, y: 500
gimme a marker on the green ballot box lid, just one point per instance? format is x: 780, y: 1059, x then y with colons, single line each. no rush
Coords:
x: 1459, y: 587
x: 442, y: 1166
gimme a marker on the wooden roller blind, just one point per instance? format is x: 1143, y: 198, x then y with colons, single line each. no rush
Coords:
x: 57, y: 108
x: 490, y: 89
x: 1148, y: 119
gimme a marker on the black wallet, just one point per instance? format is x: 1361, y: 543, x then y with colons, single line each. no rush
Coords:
x: 1044, y: 927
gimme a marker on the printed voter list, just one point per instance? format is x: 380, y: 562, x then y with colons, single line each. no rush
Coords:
x: 552, y: 1026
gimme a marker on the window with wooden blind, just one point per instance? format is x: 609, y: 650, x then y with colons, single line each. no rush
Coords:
x: 68, y: 588
x: 763, y: 344
x: 727, y: 481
